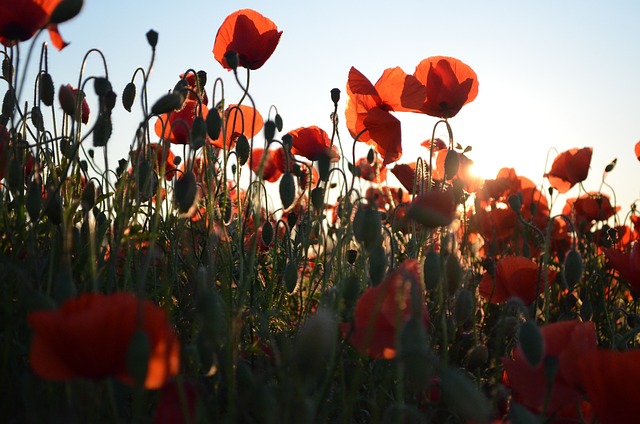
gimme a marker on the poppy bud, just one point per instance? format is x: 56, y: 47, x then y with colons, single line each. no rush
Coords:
x: 101, y: 86
x: 36, y: 118
x: 102, y: 130
x: 109, y: 101
x: 377, y: 264
x: 451, y: 164
x: 34, y: 200
x: 292, y: 218
x: 214, y: 124
x: 198, y: 132
x: 7, y: 69
x: 138, y: 356
x: 269, y: 131
x: 367, y: 227
x: 611, y: 165
x: 67, y: 100
x: 88, y: 197
x: 232, y: 59
x: 267, y: 233
x: 67, y: 9
x: 185, y: 191
x: 46, y: 89
x: 278, y: 122
x: 317, y: 198
x: 371, y: 156
x: 572, y: 268
x: 8, y: 103
x: 352, y: 255
x: 53, y: 207
x: 167, y: 103
x: 432, y: 270
x: 531, y: 342
x: 152, y: 38
x: 287, y: 190
x: 463, y: 309
x: 477, y: 357
x: 290, y: 276
x: 463, y: 397
x: 515, y: 202
x: 335, y: 95
x: 324, y: 166
x: 454, y: 273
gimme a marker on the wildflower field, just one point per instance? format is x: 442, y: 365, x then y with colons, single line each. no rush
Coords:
x: 230, y: 269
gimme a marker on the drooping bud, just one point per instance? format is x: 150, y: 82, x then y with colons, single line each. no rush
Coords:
x: 37, y: 119
x: 287, y: 190
x: 290, y: 276
x: 186, y: 190
x: 46, y: 89
x: 572, y: 268
x: 198, y: 132
x: 167, y: 103
x: 128, y: 96
x: 152, y: 38
x: 432, y: 270
x: 531, y: 342
x: 278, y: 122
x: 102, y: 130
x: 267, y: 233
x: 269, y: 131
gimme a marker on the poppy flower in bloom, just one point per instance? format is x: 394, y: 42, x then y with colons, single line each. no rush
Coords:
x: 274, y: 163
x: 374, y: 172
x: 567, y: 341
x: 21, y: 19
x: 627, y: 264
x: 637, y: 150
x: 312, y: 143
x: 382, y: 310
x: 433, y: 208
x: 610, y: 380
x: 89, y: 337
x: 175, y: 126
x: 406, y: 174
x: 569, y: 168
x: 252, y: 36
x: 369, y: 108
x: 239, y: 120
x: 590, y: 207
x: 515, y: 276
x: 450, y: 84
x: 169, y: 165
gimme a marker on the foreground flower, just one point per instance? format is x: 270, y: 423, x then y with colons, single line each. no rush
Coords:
x: 611, y: 381
x: 569, y: 168
x: 627, y: 264
x: 382, y: 310
x: 249, y: 34
x: 369, y: 106
x: 514, y: 276
x: 450, y: 84
x: 588, y: 208
x: 21, y: 19
x: 565, y: 341
x: 433, y: 208
x: 89, y: 337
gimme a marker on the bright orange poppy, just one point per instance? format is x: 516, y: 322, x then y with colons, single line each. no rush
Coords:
x: 369, y: 107
x: 515, y: 276
x: 89, y: 337
x: 248, y: 33
x: 450, y: 84
x: 312, y: 143
x: 382, y: 310
x: 21, y: 19
x: 567, y: 341
x: 569, y: 168
x: 610, y: 380
x: 274, y: 164
x: 239, y: 120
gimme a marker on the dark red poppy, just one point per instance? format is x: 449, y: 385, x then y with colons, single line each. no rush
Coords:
x: 177, y: 124
x: 89, y: 336
x: 515, y: 276
x: 313, y: 143
x: 68, y: 98
x: 177, y: 404
x: 406, y: 174
x: 610, y: 380
x: 248, y: 33
x: 369, y: 107
x: 590, y: 207
x: 374, y: 172
x: 567, y: 341
x: 449, y: 83
x: 569, y: 168
x: 433, y: 208
x: 274, y: 163
x: 239, y: 120
x: 382, y: 310
x: 627, y: 264
x: 21, y: 19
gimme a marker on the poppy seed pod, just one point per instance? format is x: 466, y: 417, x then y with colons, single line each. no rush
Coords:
x: 232, y: 59
x: 152, y: 38
x: 335, y: 95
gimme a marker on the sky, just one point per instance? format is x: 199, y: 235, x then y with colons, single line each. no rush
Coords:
x: 553, y: 75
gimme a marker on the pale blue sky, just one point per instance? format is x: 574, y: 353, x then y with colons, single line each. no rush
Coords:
x: 553, y: 74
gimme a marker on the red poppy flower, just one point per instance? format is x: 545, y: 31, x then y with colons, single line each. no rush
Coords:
x: 68, y: 98
x: 450, y: 84
x: 382, y: 310
x: 515, y: 276
x: 637, y: 150
x: 569, y: 168
x: 590, y: 207
x: 89, y: 336
x: 627, y: 264
x: 274, y: 163
x: 21, y: 19
x: 406, y: 174
x: 567, y: 341
x: 433, y: 208
x: 610, y: 380
x: 248, y: 33
x: 177, y: 124
x: 312, y: 143
x: 369, y: 107
x: 375, y: 172
x: 177, y: 405
x: 169, y: 165
x: 239, y: 120
x: 193, y: 85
